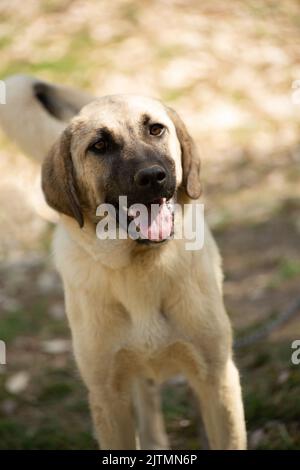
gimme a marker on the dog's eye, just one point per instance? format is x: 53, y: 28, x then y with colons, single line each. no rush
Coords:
x: 99, y: 147
x: 157, y: 129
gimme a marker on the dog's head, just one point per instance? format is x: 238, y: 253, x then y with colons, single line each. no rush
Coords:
x: 122, y: 145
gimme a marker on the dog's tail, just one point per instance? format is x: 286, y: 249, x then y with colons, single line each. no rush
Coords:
x: 36, y: 112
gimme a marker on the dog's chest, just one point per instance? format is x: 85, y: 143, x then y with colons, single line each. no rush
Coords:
x: 143, y: 298
x: 149, y: 334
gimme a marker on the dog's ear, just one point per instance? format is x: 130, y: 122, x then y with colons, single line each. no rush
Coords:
x: 190, y: 159
x: 58, y: 178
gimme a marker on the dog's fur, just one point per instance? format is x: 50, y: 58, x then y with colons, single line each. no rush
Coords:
x: 138, y: 314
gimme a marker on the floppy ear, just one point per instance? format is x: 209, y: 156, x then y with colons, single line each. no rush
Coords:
x: 58, y: 179
x: 190, y: 159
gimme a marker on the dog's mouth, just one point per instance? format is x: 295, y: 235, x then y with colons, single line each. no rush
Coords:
x: 149, y: 223
x: 157, y: 224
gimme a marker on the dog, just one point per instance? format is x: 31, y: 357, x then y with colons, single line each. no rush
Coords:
x: 140, y: 310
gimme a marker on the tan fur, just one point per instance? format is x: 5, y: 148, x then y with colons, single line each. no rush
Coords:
x: 139, y: 315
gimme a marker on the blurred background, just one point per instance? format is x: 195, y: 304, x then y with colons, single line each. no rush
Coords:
x: 228, y: 68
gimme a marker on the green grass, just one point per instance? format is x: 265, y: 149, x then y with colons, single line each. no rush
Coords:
x: 5, y: 41
x: 48, y: 435
x: 269, y: 404
x: 34, y: 321
x: 175, y: 402
x: 21, y: 322
x: 55, y: 392
x: 289, y: 269
x: 75, y: 63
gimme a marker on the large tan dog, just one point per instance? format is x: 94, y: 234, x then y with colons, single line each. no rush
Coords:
x: 140, y: 310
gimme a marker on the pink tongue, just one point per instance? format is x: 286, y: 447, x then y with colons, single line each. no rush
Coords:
x: 160, y: 223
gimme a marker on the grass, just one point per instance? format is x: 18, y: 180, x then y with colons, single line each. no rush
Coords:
x: 289, y: 269
x: 49, y: 435
x: 271, y: 405
x: 72, y: 64
x: 20, y: 322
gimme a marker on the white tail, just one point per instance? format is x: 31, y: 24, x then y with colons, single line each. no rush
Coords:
x: 36, y: 112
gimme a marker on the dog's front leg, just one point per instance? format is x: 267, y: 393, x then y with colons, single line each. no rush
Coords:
x: 112, y: 417
x: 107, y: 374
x: 221, y: 407
x: 110, y: 400
x: 206, y: 360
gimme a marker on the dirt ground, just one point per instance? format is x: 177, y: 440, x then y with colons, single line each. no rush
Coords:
x: 230, y: 69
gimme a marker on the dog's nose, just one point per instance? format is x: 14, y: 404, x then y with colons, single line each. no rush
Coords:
x: 151, y: 177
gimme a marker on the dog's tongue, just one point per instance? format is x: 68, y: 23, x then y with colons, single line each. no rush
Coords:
x: 159, y: 224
